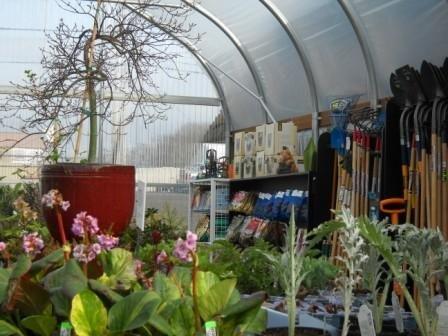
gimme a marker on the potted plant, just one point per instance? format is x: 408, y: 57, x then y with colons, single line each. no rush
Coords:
x: 84, y: 70
x: 424, y: 253
x: 48, y: 294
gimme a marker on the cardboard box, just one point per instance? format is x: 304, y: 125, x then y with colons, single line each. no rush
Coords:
x: 238, y: 144
x: 286, y: 136
x: 270, y: 134
x: 249, y: 167
x: 271, y: 165
x: 249, y: 144
x: 260, y: 137
x: 238, y: 166
x: 260, y: 165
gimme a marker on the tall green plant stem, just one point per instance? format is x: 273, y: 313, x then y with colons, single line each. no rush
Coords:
x: 194, y: 274
x: 347, y: 307
x: 61, y: 231
x: 293, y: 290
x: 93, y: 141
x: 90, y: 87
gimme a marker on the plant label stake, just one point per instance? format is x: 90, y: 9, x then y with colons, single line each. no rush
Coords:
x: 365, y: 321
x: 397, y: 313
x: 140, y: 205
x: 442, y: 324
x: 66, y: 329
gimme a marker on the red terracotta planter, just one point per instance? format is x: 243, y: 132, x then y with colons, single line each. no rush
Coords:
x: 106, y: 192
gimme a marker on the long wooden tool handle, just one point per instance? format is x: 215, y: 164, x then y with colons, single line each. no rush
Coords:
x: 423, y: 223
x: 433, y: 180
x: 411, y: 184
x: 445, y: 189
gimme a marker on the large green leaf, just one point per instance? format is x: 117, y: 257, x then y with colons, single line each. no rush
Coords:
x: 53, y: 259
x: 253, y: 301
x: 216, y: 299
x: 309, y: 155
x: 181, y: 277
x: 7, y: 329
x: 181, y: 319
x: 31, y: 298
x: 133, y: 311
x: 165, y: 287
x: 205, y: 281
x: 88, y: 315
x: 69, y: 279
x: 118, y: 268
x: 42, y: 325
x: 63, y: 284
x: 160, y: 324
x: 99, y: 288
x: 4, y: 281
x: 254, y: 321
x: 21, y: 267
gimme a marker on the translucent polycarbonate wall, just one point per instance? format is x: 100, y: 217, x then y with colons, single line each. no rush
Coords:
x: 404, y: 32
x: 260, y: 56
x: 398, y: 32
x: 333, y: 50
x: 272, y: 53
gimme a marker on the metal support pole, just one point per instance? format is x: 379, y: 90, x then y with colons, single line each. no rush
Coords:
x: 303, y: 56
x: 361, y: 35
x: 238, y: 45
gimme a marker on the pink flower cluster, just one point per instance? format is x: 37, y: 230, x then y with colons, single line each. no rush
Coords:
x: 184, y: 248
x: 54, y: 198
x: 107, y: 242
x: 162, y: 257
x: 85, y: 254
x: 32, y: 244
x: 2, y: 246
x: 94, y: 242
x: 83, y: 223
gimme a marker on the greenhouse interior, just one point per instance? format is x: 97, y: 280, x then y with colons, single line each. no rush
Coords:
x: 224, y: 168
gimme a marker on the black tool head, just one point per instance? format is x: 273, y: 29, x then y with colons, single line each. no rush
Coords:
x: 397, y: 90
x: 431, y: 80
x: 410, y: 84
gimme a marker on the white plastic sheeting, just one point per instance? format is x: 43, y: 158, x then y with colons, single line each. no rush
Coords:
x: 399, y: 32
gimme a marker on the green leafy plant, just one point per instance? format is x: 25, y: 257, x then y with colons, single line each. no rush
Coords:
x: 377, y: 280
x: 352, y: 258
x: 424, y: 252
x: 289, y: 266
x: 319, y: 273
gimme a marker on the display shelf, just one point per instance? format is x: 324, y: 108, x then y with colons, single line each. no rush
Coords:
x: 260, y: 178
x: 272, y: 183
x: 208, y: 210
x: 209, y: 197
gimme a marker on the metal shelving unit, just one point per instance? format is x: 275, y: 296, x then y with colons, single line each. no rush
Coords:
x: 216, y: 206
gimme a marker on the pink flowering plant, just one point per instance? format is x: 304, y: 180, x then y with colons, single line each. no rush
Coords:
x: 53, y: 199
x: 91, y: 241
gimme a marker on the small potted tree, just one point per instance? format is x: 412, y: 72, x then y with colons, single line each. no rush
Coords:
x: 85, y: 69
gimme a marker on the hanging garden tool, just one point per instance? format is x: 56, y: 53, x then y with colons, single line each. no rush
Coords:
x: 433, y: 81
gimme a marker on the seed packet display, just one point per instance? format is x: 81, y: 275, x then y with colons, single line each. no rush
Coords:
x: 296, y: 198
x: 238, y: 200
x: 202, y: 228
x: 302, y: 211
x: 283, y: 213
x: 196, y: 199
x: 262, y: 229
x: 275, y: 233
x: 263, y: 206
x: 235, y: 227
x: 250, y: 227
x: 277, y: 204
